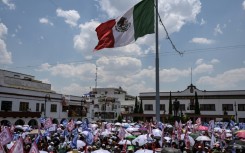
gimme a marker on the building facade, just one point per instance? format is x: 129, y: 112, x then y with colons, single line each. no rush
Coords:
x: 24, y: 100
x: 108, y: 103
x: 212, y: 104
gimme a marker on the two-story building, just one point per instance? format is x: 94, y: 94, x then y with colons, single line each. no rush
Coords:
x: 212, y: 104
x: 24, y: 100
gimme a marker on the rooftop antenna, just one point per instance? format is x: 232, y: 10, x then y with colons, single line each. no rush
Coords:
x: 191, y: 75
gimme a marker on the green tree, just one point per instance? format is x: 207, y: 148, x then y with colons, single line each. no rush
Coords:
x: 197, y: 109
x: 136, y: 109
x: 119, y: 118
x: 141, y: 111
x: 141, y: 108
x: 170, y: 106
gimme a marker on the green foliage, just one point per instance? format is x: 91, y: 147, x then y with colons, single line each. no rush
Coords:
x: 141, y: 108
x: 141, y: 111
x: 197, y: 108
x: 119, y: 118
x: 170, y: 104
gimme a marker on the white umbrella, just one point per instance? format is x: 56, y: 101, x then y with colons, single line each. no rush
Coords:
x: 125, y: 125
x: 144, y: 151
x: 118, y: 124
x: 157, y: 132
x: 101, y: 151
x: 228, y: 134
x: 93, y: 126
x: 217, y: 129
x: 228, y: 131
x: 141, y: 139
x: 41, y: 151
x: 9, y: 145
x: 192, y: 141
x: 80, y: 144
x: 78, y: 122
x: 203, y: 138
x: 132, y: 129
x: 122, y: 142
x: 169, y: 125
x: 106, y: 133
x: 167, y: 138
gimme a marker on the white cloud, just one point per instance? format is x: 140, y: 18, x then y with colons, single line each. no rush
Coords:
x: 243, y: 5
x: 199, y: 61
x: 217, y: 30
x: 74, y: 89
x: 203, y: 22
x: 227, y: 80
x: 45, y: 81
x: 81, y: 71
x: 203, y: 68
x: 215, y: 61
x: 5, y: 56
x: 87, y: 40
x: 121, y: 65
x: 45, y: 21
x: 202, y: 41
x: 9, y: 4
x: 173, y: 13
x: 115, y: 8
x: 71, y: 16
x: 173, y: 74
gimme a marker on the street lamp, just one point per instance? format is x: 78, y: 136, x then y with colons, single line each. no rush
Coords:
x: 236, y: 112
x: 83, y: 101
x: 47, y: 97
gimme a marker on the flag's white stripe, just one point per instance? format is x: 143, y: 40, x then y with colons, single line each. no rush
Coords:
x: 127, y: 37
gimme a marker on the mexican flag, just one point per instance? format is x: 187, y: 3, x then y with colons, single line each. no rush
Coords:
x: 136, y: 22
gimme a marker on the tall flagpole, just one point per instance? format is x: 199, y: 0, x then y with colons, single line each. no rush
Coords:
x: 157, y: 67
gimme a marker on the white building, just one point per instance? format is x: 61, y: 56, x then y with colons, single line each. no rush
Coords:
x: 23, y: 100
x: 212, y: 104
x: 108, y: 103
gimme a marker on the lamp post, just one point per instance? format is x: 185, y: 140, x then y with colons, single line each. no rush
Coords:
x: 82, y: 103
x: 235, y: 111
x: 47, y: 97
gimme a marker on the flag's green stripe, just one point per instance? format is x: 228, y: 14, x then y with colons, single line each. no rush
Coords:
x: 143, y: 15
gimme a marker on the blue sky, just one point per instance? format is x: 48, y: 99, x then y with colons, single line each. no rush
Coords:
x: 53, y: 40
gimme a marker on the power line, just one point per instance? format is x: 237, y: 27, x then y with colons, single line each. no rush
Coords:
x: 187, y: 51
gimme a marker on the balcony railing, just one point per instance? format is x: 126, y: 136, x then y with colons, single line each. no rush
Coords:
x: 20, y: 114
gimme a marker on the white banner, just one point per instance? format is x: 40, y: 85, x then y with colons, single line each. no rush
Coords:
x: 52, y: 128
x: 5, y: 136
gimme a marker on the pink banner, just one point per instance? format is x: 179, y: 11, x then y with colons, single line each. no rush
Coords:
x: 48, y: 123
x: 1, y: 149
x: 34, y: 148
x: 70, y: 125
x: 17, y: 147
x: 5, y: 136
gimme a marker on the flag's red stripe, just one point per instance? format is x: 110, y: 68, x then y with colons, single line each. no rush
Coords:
x: 105, y: 35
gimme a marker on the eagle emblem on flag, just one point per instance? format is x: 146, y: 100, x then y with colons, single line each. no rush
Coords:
x: 122, y: 25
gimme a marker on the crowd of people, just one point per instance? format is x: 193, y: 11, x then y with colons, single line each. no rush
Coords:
x: 125, y: 137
